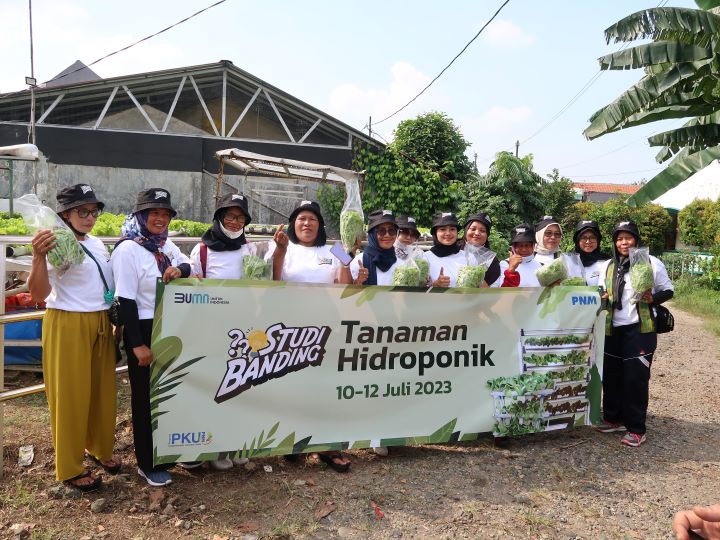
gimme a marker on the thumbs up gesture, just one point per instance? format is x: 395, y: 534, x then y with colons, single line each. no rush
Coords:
x: 442, y: 280
x: 281, y: 239
x: 363, y: 273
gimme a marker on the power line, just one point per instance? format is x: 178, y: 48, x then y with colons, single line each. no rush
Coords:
x: 615, y: 174
x: 446, y: 67
x: 634, y: 141
x: 126, y: 47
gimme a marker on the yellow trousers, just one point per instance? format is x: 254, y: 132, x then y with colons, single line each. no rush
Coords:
x: 79, y: 372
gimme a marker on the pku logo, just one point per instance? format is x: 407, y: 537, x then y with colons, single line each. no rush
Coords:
x: 262, y: 355
x: 189, y: 438
x: 584, y: 300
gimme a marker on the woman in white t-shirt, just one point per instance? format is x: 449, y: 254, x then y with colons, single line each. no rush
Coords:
x: 445, y: 257
x: 519, y: 269
x: 587, y: 240
x: 378, y: 259
x: 143, y: 254
x: 302, y: 256
x: 77, y: 342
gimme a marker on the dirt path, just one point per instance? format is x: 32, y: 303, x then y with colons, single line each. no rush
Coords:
x: 573, y: 485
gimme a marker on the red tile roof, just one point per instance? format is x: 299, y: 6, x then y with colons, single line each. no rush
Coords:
x: 607, y: 188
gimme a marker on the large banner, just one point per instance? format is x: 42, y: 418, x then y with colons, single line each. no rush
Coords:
x: 271, y: 368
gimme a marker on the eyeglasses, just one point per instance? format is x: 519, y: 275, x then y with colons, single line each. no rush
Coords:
x: 553, y: 235
x: 236, y: 218
x: 588, y: 239
x: 392, y: 231
x: 83, y: 213
x: 408, y: 232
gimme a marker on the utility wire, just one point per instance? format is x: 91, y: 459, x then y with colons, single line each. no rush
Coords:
x: 126, y: 47
x: 446, y: 67
x: 616, y: 173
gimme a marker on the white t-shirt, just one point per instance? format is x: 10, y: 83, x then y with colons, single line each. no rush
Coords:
x: 450, y: 265
x: 304, y: 264
x: 629, y: 312
x: 136, y: 273
x: 221, y: 264
x: 383, y: 278
x: 593, y: 273
x: 526, y: 270
x: 80, y: 288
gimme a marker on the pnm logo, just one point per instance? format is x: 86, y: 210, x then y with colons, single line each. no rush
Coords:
x: 584, y: 300
x: 270, y: 354
x: 190, y: 438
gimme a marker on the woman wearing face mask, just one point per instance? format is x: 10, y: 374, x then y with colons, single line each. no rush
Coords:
x: 143, y: 254
x: 378, y: 259
x: 408, y: 235
x: 587, y: 239
x: 302, y: 256
x: 445, y: 257
x: 477, y: 233
x: 78, y: 353
x: 220, y: 256
x: 630, y: 338
x: 548, y: 235
x: 519, y: 269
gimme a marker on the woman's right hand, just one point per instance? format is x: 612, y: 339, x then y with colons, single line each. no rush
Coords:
x: 42, y: 242
x: 514, y: 261
x: 143, y: 354
x: 281, y: 239
x: 442, y: 280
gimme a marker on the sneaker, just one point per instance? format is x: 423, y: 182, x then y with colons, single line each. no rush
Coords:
x: 190, y: 464
x: 633, y: 439
x: 609, y: 427
x: 240, y: 460
x: 221, y: 464
x: 381, y: 451
x: 156, y: 478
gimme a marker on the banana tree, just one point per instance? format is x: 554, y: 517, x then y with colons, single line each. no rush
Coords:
x: 682, y: 80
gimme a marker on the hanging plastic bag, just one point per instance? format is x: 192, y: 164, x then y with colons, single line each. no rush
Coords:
x: 477, y: 260
x: 641, y: 273
x: 423, y: 267
x: 37, y: 216
x: 576, y: 270
x: 255, y: 265
x: 406, y: 274
x: 352, y: 219
x: 551, y: 273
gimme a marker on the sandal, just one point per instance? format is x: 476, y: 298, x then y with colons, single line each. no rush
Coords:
x: 329, y: 460
x: 93, y: 486
x: 110, y: 469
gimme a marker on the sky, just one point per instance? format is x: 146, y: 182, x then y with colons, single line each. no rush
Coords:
x: 359, y: 59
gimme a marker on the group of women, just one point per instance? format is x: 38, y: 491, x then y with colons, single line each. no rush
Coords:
x: 79, y: 351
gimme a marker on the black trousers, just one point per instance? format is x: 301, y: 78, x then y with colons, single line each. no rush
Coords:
x: 626, y: 376
x: 140, y: 403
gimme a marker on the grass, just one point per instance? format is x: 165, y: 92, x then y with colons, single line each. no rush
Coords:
x: 700, y: 301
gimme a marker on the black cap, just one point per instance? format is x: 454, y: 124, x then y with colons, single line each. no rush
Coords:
x: 544, y: 222
x: 311, y: 206
x: 154, y: 198
x: 233, y: 200
x: 626, y: 226
x: 586, y: 225
x: 77, y: 195
x: 482, y: 217
x: 444, y: 219
x: 407, y: 222
x: 522, y: 233
x: 378, y: 217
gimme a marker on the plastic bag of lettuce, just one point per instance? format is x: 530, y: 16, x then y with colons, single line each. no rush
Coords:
x: 477, y: 261
x: 641, y: 273
x: 553, y: 272
x: 352, y: 219
x: 37, y: 216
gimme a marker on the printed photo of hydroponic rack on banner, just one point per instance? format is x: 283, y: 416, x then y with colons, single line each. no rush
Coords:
x: 550, y: 392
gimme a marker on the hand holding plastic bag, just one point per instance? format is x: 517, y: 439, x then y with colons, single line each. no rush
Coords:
x: 641, y: 273
x: 352, y: 219
x: 37, y: 216
x: 552, y: 273
x: 478, y: 259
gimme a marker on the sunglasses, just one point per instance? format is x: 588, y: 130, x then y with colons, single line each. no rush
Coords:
x: 392, y: 231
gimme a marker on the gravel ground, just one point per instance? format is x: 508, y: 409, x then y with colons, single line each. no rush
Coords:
x: 577, y: 484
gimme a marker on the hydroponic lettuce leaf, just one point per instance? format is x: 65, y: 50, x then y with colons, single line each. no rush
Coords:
x: 406, y: 276
x: 550, y: 273
x: 470, y: 276
x: 550, y: 341
x: 256, y: 268
x: 351, y: 228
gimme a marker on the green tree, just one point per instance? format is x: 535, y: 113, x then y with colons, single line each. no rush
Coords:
x: 511, y: 192
x: 558, y: 196
x: 682, y: 80
x: 698, y: 223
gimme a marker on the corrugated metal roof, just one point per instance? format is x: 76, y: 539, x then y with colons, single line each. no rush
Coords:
x: 607, y: 188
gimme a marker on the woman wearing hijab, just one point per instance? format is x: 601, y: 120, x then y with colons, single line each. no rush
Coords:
x: 302, y: 256
x: 378, y: 258
x: 78, y: 351
x: 519, y: 269
x: 220, y: 256
x: 548, y: 235
x: 630, y: 338
x: 477, y: 234
x: 587, y: 239
x: 445, y: 257
x: 143, y: 254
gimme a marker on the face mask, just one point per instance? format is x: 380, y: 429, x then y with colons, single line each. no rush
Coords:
x: 528, y: 258
x: 230, y: 234
x: 401, y: 250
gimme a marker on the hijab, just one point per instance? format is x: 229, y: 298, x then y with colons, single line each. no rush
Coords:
x: 218, y: 238
x: 135, y: 229
x: 375, y: 257
x: 540, y: 248
x: 588, y: 259
x: 441, y: 250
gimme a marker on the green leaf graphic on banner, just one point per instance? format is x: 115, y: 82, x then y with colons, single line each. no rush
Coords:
x: 367, y: 295
x: 361, y: 444
x: 285, y: 446
x: 264, y: 443
x: 301, y: 445
x: 351, y: 290
x: 470, y: 437
x: 444, y: 433
x: 165, y: 351
x: 593, y: 392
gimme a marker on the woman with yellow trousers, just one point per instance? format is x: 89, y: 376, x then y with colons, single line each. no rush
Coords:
x: 77, y: 342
